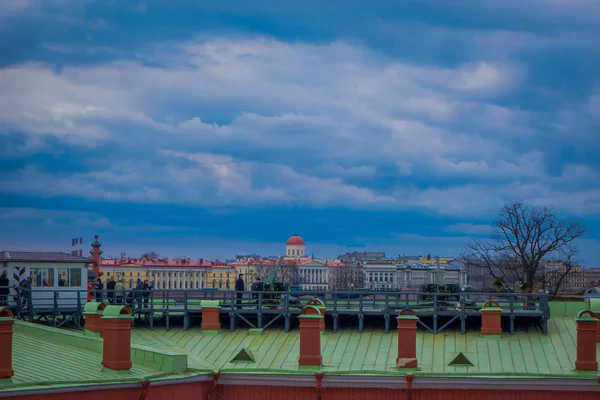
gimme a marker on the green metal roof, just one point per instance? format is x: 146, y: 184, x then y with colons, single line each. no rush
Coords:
x: 528, y: 353
x: 50, y: 357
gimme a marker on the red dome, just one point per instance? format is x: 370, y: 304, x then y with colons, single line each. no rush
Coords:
x: 295, y: 240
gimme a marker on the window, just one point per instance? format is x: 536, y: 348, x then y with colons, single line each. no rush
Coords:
x: 74, y: 277
x: 63, y: 277
x: 42, y: 277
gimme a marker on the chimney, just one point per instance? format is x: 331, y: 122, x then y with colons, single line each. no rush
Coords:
x: 310, y: 336
x: 92, y: 313
x: 6, y: 341
x: 116, y: 327
x: 491, y: 316
x: 96, y: 252
x: 407, y: 339
x: 211, y: 323
x: 320, y: 305
x: 586, y: 341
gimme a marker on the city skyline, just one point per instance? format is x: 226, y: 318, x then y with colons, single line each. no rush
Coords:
x: 219, y: 129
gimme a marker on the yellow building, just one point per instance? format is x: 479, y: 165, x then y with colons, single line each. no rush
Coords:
x: 169, y: 274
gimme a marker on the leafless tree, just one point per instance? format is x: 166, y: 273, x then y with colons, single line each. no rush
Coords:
x: 522, y: 238
x: 151, y: 255
x: 346, y: 277
x: 262, y: 269
x: 288, y: 271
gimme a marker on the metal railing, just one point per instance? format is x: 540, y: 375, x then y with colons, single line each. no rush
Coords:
x: 266, y: 307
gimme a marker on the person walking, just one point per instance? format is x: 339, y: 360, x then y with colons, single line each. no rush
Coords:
x: 239, y: 288
x: 4, y: 290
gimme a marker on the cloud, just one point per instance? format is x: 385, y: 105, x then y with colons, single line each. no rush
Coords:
x: 303, y: 124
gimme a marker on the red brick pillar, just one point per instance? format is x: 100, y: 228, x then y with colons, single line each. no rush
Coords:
x: 407, y: 339
x: 210, y: 316
x: 116, y: 325
x: 320, y: 305
x: 491, y: 318
x: 310, y: 336
x: 93, y: 313
x: 6, y: 341
x: 586, y: 341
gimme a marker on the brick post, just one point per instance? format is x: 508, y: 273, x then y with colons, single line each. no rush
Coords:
x: 6, y: 343
x: 93, y: 313
x: 586, y: 341
x: 116, y: 325
x: 210, y: 316
x: 310, y: 336
x: 407, y: 339
x: 491, y: 318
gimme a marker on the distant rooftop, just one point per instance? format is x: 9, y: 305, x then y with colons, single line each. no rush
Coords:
x: 40, y: 256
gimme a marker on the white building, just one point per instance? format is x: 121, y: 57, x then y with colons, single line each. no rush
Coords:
x: 295, y: 247
x: 381, y: 275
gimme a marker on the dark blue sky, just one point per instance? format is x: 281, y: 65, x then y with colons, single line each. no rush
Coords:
x: 207, y: 128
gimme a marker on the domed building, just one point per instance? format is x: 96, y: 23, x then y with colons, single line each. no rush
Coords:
x: 295, y: 247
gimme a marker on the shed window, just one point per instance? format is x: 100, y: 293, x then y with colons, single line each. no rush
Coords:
x: 42, y: 277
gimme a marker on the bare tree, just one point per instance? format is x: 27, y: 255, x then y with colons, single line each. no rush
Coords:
x: 346, y: 277
x: 288, y: 271
x: 522, y: 238
x: 151, y: 255
x: 262, y: 269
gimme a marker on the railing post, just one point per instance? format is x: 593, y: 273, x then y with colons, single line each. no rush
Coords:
x: 463, y: 315
x: 186, y: 317
x: 166, y: 292
x: 259, y: 314
x: 18, y: 301
x: 79, y: 310
x: 435, y: 310
x: 512, y: 313
x: 55, y: 306
x: 287, y: 311
x: 30, y: 304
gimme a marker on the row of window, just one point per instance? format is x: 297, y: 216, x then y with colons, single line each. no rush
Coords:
x: 45, y: 277
x: 295, y: 252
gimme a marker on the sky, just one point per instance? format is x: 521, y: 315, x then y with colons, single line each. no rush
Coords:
x: 208, y: 129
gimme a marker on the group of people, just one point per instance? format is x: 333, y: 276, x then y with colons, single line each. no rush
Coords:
x: 240, y: 287
x: 116, y: 294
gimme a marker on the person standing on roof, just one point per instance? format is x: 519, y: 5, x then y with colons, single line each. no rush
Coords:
x: 239, y: 288
x: 139, y: 288
x: 147, y: 288
x: 26, y: 293
x: 257, y: 286
x: 110, y: 289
